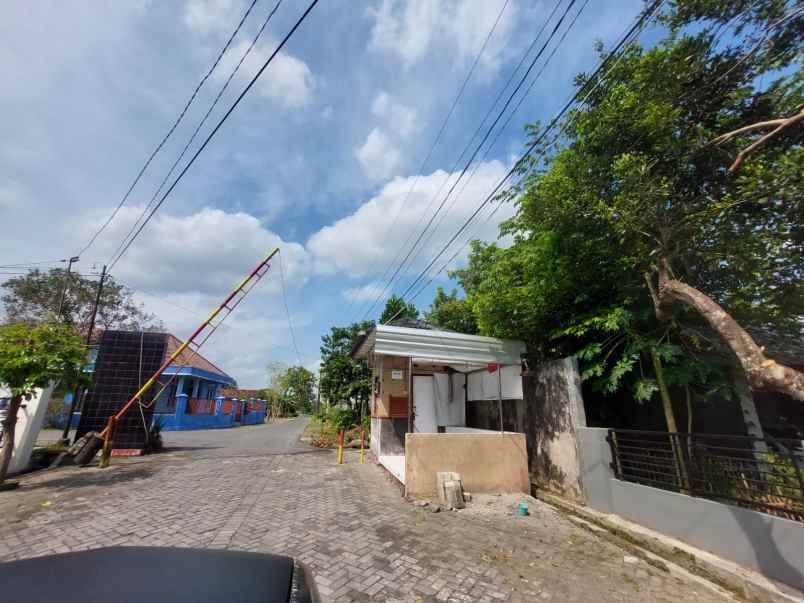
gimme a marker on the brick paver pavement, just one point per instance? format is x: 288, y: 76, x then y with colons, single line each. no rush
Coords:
x: 348, y: 523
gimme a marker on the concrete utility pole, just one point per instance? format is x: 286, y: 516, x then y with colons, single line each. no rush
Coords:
x: 73, y: 259
x: 79, y: 390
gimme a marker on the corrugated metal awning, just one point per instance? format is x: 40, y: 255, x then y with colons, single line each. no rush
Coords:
x: 439, y: 346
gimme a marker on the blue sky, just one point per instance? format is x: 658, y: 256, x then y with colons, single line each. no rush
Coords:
x: 317, y: 159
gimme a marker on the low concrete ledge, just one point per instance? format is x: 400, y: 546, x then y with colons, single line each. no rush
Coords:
x: 744, y: 583
x: 487, y: 462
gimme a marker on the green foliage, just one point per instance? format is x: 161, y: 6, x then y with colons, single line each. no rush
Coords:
x: 344, y: 418
x: 343, y: 379
x: 291, y: 390
x: 450, y: 313
x: 34, y: 299
x: 32, y: 357
x: 397, y: 309
x: 634, y: 177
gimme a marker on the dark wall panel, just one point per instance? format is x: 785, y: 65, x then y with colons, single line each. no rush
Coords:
x: 125, y: 360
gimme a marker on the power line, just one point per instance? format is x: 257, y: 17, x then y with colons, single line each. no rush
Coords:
x: 287, y: 309
x: 440, y: 133
x: 633, y: 31
x: 170, y: 131
x: 215, y: 129
x: 26, y: 264
x: 479, y: 129
x: 197, y: 129
x: 482, y: 142
x: 498, y: 135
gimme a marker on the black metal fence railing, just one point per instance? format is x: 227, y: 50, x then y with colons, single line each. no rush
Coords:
x: 760, y: 474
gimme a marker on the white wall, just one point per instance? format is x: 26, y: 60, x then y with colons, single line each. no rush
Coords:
x: 485, y: 386
x: 29, y: 422
x: 771, y: 545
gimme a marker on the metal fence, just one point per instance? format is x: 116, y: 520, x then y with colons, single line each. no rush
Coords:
x: 760, y: 474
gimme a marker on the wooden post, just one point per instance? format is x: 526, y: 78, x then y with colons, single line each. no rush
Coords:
x: 411, y: 411
x: 499, y: 395
x: 106, y: 452
x: 362, y: 448
x: 340, y: 447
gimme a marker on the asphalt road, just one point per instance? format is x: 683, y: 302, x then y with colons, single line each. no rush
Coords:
x: 281, y: 437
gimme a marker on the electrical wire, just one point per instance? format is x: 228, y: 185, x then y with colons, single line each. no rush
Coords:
x: 170, y: 131
x: 197, y: 130
x: 214, y: 131
x: 27, y: 264
x: 482, y: 142
x: 287, y: 309
x: 493, y: 143
x: 457, y: 161
x: 632, y: 32
x: 436, y: 140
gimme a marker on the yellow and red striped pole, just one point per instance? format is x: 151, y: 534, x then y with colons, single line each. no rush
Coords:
x: 107, y: 432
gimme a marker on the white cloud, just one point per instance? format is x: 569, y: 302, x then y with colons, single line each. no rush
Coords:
x: 378, y: 157
x: 207, y: 252
x: 211, y: 16
x: 364, y: 293
x: 366, y: 241
x: 287, y: 79
x: 398, y: 117
x: 411, y: 29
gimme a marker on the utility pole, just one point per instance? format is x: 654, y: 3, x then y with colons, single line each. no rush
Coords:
x: 79, y: 390
x: 73, y: 259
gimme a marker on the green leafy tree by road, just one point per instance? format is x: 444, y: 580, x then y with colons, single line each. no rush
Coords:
x: 449, y: 312
x: 34, y: 299
x: 291, y: 389
x: 397, y: 308
x: 635, y: 239
x: 30, y: 359
x: 343, y: 379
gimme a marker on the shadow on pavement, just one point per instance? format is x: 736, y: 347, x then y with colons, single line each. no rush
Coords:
x: 81, y: 478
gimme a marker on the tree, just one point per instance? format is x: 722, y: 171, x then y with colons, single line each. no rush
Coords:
x: 34, y: 298
x: 451, y: 313
x: 634, y: 187
x: 298, y: 385
x: 397, y: 309
x: 291, y: 389
x: 637, y: 162
x: 30, y: 359
x: 343, y: 379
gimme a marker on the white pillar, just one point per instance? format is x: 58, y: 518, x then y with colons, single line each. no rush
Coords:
x: 29, y: 421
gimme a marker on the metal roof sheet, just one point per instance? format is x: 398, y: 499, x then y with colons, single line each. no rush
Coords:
x: 439, y: 346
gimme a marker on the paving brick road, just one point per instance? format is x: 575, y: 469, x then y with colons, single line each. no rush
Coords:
x: 257, y: 489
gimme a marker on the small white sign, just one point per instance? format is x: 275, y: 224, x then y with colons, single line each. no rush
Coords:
x: 397, y: 374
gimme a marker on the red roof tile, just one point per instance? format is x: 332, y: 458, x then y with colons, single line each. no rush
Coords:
x: 240, y: 394
x: 191, y: 359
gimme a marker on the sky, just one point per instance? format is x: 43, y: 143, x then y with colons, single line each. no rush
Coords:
x: 324, y: 157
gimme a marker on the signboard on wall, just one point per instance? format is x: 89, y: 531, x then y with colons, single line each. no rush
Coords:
x: 397, y: 374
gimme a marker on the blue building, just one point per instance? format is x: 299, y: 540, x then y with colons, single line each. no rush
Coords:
x: 191, y: 397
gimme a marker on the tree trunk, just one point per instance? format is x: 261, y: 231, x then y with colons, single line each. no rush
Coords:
x: 667, y: 405
x: 9, y: 425
x: 762, y: 373
x: 664, y: 393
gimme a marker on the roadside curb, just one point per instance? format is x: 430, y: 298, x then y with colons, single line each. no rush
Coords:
x: 653, y: 547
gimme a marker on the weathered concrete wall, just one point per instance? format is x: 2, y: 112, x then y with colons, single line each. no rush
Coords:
x: 388, y: 435
x: 770, y: 545
x: 485, y: 414
x: 554, y: 411
x: 487, y: 462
